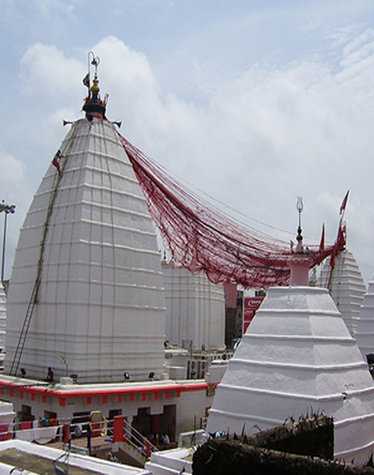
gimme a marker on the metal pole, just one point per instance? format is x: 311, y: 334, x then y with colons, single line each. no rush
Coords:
x: 4, y: 240
x: 7, y: 209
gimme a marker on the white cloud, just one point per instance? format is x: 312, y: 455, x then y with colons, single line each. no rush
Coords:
x: 46, y: 70
x: 12, y: 170
x: 53, y: 8
x: 264, y: 137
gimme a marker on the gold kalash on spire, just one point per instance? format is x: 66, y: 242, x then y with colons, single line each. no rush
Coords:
x: 93, y: 105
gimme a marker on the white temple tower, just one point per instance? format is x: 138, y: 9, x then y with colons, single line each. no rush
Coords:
x: 89, y: 247
x: 195, y: 309
x: 346, y: 285
x: 298, y: 358
x: 365, y: 325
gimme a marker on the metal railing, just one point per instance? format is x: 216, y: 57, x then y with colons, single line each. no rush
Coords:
x: 46, y: 431
x: 137, y: 440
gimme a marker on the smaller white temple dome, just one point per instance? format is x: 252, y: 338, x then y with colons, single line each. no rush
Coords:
x: 298, y: 358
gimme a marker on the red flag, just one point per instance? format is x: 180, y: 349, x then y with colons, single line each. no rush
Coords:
x: 322, y: 243
x: 86, y: 80
x: 344, y: 203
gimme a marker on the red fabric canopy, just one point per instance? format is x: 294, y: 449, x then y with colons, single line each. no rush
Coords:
x: 202, y: 238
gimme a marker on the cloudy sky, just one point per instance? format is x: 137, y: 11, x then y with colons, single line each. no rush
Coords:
x: 254, y: 102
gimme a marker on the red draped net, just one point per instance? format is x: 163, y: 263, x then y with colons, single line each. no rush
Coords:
x: 203, y: 238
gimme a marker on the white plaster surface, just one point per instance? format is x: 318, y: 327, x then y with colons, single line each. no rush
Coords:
x: 298, y: 358
x: 101, y: 301
x: 74, y: 460
x: 347, y: 287
x: 365, y: 325
x: 171, y: 462
x: 195, y: 309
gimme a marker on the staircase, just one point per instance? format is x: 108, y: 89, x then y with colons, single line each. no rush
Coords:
x: 134, y: 449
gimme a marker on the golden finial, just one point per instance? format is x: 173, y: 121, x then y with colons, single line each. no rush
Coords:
x: 95, y: 87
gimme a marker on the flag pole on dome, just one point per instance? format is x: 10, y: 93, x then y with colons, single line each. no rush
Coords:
x: 322, y: 242
x: 343, y: 206
x: 87, y: 78
x: 94, y: 61
x: 340, y: 238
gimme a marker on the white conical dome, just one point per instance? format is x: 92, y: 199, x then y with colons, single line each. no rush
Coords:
x: 101, y: 299
x: 365, y: 325
x: 297, y: 358
x: 346, y: 285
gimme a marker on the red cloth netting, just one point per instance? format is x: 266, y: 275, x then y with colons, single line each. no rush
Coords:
x: 203, y: 238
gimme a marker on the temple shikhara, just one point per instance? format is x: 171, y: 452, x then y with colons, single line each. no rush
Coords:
x: 100, y: 326
x: 298, y: 358
x: 86, y: 281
